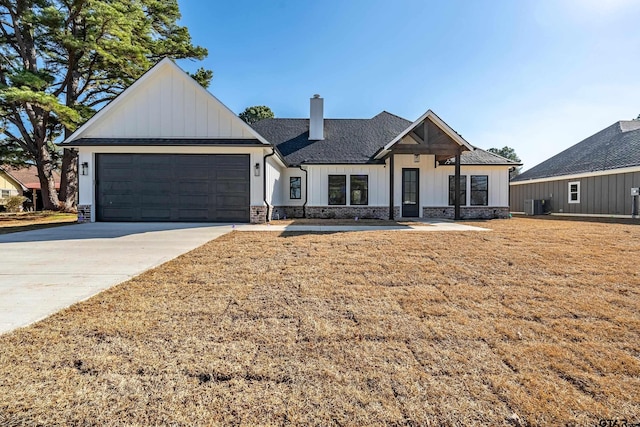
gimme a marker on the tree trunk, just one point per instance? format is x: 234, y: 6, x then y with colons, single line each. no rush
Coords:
x: 44, y: 164
x: 69, y: 180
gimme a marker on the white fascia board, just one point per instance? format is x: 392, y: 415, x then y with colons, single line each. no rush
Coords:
x: 579, y: 175
x: 438, y: 122
x: 147, y: 75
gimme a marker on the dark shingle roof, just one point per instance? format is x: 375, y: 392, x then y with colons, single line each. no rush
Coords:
x: 481, y: 157
x: 345, y: 140
x: 348, y: 141
x: 159, y: 141
x: 617, y: 146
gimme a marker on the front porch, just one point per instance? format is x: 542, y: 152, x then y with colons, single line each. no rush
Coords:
x: 428, y: 140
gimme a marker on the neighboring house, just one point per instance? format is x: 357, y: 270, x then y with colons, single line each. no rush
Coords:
x: 23, y: 182
x: 594, y: 177
x: 168, y: 150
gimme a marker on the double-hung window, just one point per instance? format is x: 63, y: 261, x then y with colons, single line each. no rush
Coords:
x: 479, y: 190
x: 452, y: 190
x: 359, y: 189
x: 337, y: 189
x: 574, y: 192
x: 295, y: 187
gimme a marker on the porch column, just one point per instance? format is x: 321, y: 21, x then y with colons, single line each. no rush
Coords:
x: 456, y: 214
x: 391, y: 175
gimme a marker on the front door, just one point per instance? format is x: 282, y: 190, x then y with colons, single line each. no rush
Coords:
x: 410, y: 192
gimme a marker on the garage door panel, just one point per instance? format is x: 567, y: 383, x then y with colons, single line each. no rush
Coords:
x: 231, y: 187
x: 155, y: 214
x: 193, y: 187
x: 170, y: 187
x: 194, y: 214
x: 229, y: 174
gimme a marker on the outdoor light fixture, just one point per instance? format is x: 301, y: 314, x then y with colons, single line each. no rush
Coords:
x: 256, y: 169
x: 416, y: 158
x: 84, y: 168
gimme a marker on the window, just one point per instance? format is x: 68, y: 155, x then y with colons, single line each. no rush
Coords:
x: 452, y: 190
x: 479, y: 190
x: 359, y: 189
x: 295, y: 187
x: 337, y: 189
x: 574, y: 192
x: 5, y: 193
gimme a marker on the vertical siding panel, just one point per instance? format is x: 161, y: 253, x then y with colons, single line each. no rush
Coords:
x: 201, y: 116
x: 189, y: 111
x: 212, y: 120
x: 628, y: 185
x: 591, y: 192
x: 612, y: 193
x: 604, y: 203
x: 177, y: 108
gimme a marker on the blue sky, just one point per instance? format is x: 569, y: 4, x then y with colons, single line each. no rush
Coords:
x: 536, y: 75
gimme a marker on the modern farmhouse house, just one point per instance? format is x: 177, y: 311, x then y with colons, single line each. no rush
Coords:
x: 598, y: 176
x: 168, y: 150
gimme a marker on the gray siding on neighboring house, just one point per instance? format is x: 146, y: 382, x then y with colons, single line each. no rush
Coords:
x: 599, y: 195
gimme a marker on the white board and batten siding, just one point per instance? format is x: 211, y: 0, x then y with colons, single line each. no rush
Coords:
x: 434, y: 181
x: 273, y: 178
x: 167, y: 104
x: 318, y: 176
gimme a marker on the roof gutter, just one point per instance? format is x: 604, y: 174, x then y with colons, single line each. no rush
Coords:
x: 264, y: 182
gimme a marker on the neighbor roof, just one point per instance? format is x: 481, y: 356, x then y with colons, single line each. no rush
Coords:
x: 615, y: 147
x: 27, y: 177
x: 348, y: 141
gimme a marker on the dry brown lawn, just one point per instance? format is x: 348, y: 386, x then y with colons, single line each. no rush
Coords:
x: 25, y: 221
x: 534, y: 323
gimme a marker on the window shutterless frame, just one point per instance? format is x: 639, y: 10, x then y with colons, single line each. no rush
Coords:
x: 574, y: 192
x: 359, y: 189
x: 295, y: 187
x: 479, y: 190
x: 337, y: 190
x: 452, y: 190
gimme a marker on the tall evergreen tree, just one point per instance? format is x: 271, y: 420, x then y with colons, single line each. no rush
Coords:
x: 62, y: 59
x: 508, y: 153
x: 256, y: 113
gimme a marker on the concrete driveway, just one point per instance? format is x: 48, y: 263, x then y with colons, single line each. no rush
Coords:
x: 46, y: 270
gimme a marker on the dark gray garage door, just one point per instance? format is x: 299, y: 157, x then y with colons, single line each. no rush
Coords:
x: 172, y: 187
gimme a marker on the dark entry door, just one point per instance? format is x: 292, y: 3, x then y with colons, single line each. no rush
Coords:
x: 410, y: 191
x: 173, y: 187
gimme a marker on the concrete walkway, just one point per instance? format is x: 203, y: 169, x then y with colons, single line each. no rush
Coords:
x: 50, y: 269
x: 47, y: 270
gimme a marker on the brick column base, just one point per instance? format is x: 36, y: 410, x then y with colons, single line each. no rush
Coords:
x: 84, y: 213
x: 258, y: 214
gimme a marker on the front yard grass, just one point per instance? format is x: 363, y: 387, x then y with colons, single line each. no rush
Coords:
x: 534, y: 323
x: 25, y: 221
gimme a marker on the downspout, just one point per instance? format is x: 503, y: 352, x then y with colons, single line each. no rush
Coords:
x: 306, y: 191
x: 264, y: 182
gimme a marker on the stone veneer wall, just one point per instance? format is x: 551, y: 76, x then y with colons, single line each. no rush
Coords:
x: 327, y: 212
x: 369, y: 212
x: 84, y: 213
x: 258, y: 214
x: 289, y: 212
x: 466, y: 212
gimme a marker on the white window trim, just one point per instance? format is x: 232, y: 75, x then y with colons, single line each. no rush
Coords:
x: 577, y: 184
